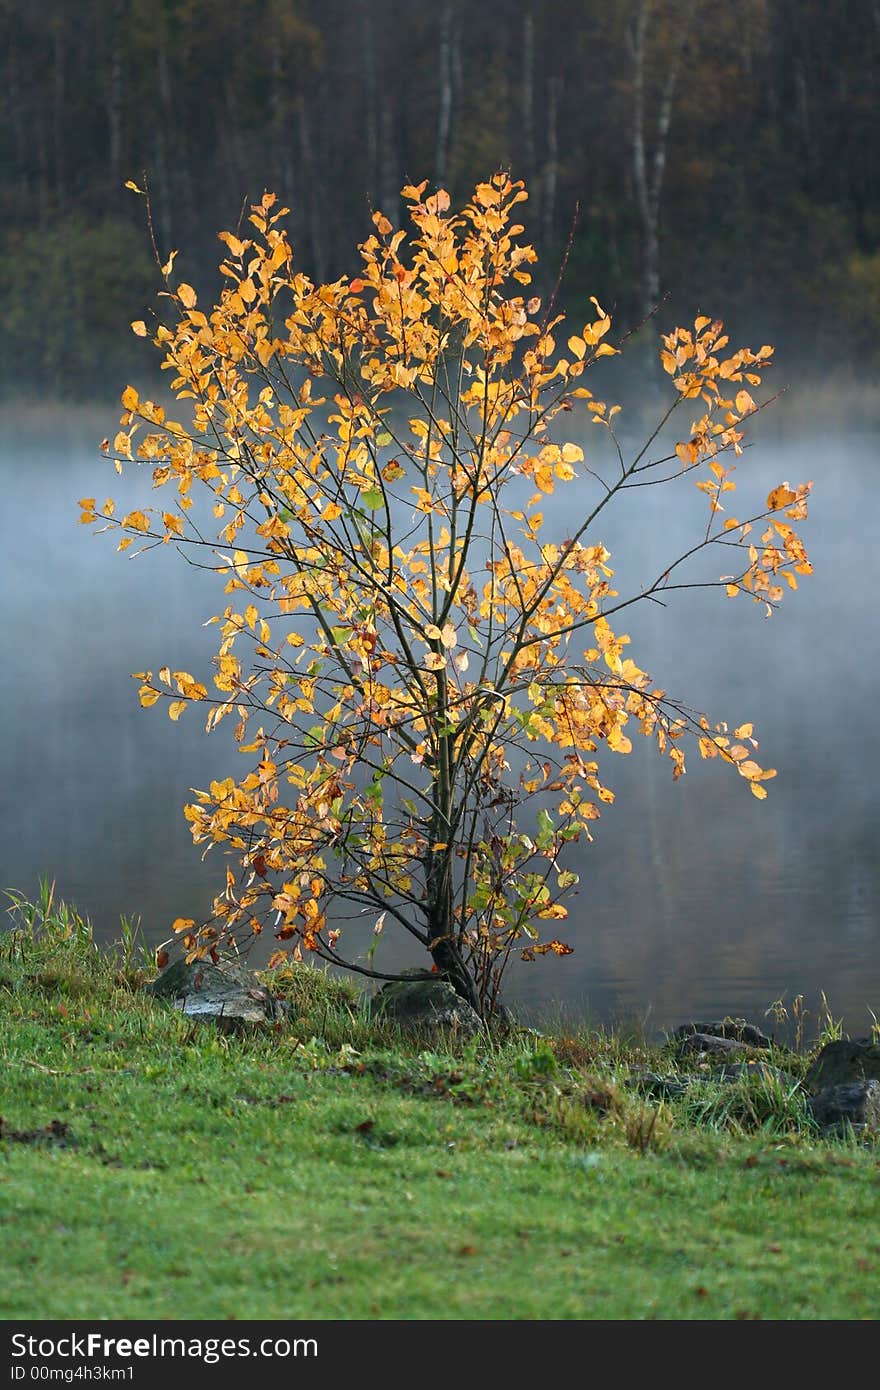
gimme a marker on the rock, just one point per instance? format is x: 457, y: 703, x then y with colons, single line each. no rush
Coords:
x: 853, y: 1104
x: 428, y: 1006
x: 708, y: 1045
x: 843, y: 1061
x: 735, y: 1028
x: 755, y: 1067
x: 227, y: 993
x: 660, y: 1087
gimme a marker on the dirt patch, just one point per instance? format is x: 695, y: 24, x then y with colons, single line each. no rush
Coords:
x: 55, y: 1132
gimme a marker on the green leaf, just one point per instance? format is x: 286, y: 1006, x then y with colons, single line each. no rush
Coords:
x: 546, y: 830
x: 372, y: 498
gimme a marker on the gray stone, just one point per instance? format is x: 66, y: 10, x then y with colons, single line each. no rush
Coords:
x: 735, y: 1028
x: 226, y: 993
x: 671, y: 1087
x: 660, y: 1087
x: 427, y: 1006
x: 854, y: 1104
x: 708, y: 1045
x: 756, y: 1067
x: 843, y: 1061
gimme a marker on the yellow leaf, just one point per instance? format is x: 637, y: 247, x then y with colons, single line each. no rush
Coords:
x: 139, y: 328
x: 749, y: 769
x: 434, y: 662
x: 618, y: 741
x: 544, y: 478
x: 744, y: 402
x: 148, y: 696
x: 744, y: 731
x: 236, y: 247
x: 572, y: 453
x: 175, y: 709
x: 130, y: 398
x: 183, y: 924
x: 187, y: 296
x: 173, y: 523
x: 137, y: 521
x: 133, y: 186
x: 780, y: 497
x: 757, y: 790
x: 577, y: 346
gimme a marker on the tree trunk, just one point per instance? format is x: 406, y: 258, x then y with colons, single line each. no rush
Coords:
x: 114, y: 94
x: 551, y: 165
x: 649, y: 185
x: 442, y: 936
x: 371, y: 98
x: 280, y: 119
x: 310, y: 189
x: 58, y: 121
x: 163, y: 125
x: 14, y: 106
x: 444, y: 114
x: 390, y: 183
x: 528, y: 99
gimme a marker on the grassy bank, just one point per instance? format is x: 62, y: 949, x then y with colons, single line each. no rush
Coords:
x: 150, y: 1168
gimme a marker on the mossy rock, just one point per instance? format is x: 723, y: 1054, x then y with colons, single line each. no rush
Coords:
x: 850, y: 1105
x: 227, y: 993
x: 844, y: 1061
x: 736, y: 1029
x: 427, y: 1006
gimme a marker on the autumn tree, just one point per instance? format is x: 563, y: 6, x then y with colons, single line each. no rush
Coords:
x: 424, y: 681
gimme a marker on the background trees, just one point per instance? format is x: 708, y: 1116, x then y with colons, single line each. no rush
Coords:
x: 721, y: 149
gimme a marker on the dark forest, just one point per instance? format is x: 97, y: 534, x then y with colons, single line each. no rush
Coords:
x: 711, y: 157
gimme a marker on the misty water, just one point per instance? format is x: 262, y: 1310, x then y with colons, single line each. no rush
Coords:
x: 695, y: 899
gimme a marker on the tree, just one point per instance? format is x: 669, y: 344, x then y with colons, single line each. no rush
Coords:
x: 412, y: 666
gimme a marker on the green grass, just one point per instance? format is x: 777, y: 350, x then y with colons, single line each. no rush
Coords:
x: 331, y: 1170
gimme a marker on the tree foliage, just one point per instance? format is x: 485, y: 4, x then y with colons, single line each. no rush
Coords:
x: 424, y: 680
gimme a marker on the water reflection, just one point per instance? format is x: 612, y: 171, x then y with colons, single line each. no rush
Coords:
x: 694, y: 899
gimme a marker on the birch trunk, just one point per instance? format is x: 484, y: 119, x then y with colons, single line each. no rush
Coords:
x: 551, y: 164
x: 444, y: 114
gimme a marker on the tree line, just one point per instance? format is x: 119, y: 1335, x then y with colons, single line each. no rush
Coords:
x: 714, y: 154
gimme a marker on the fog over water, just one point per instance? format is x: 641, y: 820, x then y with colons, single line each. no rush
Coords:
x: 695, y: 899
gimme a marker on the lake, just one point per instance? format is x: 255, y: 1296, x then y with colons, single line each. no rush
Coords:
x: 695, y: 899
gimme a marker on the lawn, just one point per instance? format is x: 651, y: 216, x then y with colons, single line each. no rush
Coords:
x: 329, y: 1169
